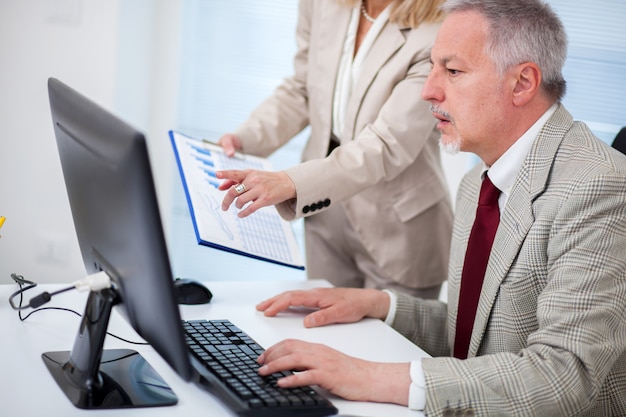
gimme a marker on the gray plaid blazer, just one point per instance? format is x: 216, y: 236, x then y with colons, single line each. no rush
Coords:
x: 550, y: 332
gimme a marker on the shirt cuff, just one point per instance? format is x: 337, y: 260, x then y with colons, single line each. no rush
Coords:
x: 417, y: 390
x: 391, y: 314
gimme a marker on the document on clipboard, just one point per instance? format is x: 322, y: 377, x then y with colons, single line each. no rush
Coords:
x: 263, y: 235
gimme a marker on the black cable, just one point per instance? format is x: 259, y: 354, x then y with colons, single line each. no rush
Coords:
x: 47, y: 308
x: 26, y: 285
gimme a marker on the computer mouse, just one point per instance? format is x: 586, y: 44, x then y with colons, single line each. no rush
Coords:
x: 188, y: 291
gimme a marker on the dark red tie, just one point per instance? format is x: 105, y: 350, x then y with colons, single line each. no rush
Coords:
x: 475, y: 264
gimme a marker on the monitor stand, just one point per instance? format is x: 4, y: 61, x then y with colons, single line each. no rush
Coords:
x: 94, y: 378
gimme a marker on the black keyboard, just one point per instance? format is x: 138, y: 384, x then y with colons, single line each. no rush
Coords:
x: 226, y: 357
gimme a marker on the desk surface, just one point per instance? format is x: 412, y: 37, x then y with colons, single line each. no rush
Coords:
x: 28, y: 389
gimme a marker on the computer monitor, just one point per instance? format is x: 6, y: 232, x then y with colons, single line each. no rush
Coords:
x: 113, y: 201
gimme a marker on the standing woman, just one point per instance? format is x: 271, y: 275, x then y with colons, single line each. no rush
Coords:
x: 371, y: 186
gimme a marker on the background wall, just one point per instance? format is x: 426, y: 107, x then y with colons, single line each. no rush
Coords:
x: 114, y: 52
x: 71, y: 40
x: 124, y: 55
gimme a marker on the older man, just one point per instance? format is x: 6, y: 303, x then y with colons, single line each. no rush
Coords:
x: 537, y: 324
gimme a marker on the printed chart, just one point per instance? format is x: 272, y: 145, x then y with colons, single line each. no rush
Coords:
x: 263, y: 235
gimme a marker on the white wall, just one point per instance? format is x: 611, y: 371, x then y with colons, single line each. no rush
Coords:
x: 102, y: 48
x: 72, y: 40
x: 121, y: 54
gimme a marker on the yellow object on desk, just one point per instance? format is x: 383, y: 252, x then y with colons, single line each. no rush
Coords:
x: 2, y: 219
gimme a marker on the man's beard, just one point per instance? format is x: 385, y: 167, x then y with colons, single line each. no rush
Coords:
x: 452, y: 148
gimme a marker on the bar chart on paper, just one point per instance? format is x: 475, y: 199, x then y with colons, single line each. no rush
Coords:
x: 263, y: 235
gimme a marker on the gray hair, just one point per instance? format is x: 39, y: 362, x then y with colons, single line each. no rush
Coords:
x: 522, y: 31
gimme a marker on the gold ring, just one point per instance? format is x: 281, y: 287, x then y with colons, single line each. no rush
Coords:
x: 240, y: 188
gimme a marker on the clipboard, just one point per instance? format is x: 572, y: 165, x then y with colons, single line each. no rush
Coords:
x: 264, y: 235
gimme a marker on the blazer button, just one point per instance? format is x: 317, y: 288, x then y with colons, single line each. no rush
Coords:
x: 469, y: 412
x: 327, y: 202
x: 306, y: 209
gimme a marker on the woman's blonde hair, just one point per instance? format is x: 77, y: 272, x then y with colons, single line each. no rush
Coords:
x: 410, y: 12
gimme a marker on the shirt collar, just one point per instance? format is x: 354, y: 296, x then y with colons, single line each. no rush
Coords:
x: 504, y: 171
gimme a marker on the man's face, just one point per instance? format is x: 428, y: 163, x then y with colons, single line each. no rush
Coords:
x: 467, y: 94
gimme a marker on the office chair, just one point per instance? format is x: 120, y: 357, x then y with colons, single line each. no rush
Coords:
x: 619, y: 142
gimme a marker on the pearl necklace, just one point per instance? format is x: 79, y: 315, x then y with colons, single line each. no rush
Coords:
x: 365, y: 15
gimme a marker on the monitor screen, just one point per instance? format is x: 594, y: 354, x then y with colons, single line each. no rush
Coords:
x: 113, y: 201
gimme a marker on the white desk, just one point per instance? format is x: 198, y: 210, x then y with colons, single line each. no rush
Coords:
x: 28, y: 389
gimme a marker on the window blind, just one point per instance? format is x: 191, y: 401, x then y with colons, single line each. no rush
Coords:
x: 595, y: 69
x: 234, y: 54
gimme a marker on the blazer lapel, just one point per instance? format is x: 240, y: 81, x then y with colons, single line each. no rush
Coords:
x: 324, y: 64
x: 390, y: 39
x: 518, y: 218
x: 334, y: 20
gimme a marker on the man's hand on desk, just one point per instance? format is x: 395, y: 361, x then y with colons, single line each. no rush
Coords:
x: 335, y: 305
x: 342, y: 375
x: 345, y: 376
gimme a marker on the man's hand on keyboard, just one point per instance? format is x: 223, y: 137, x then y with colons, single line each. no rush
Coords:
x: 342, y: 375
x: 334, y: 305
